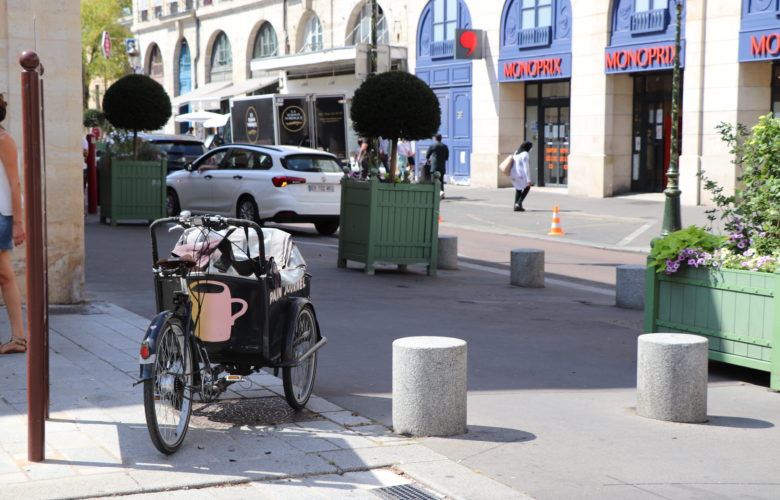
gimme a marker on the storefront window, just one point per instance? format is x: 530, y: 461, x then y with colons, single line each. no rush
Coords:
x: 445, y: 19
x: 265, y: 43
x: 221, y: 60
x: 547, y: 126
x: 535, y: 14
x: 313, y: 37
x: 644, y: 5
x: 776, y: 90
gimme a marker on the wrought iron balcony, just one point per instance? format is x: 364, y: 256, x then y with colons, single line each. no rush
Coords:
x: 444, y: 48
x: 535, y: 37
x: 649, y: 21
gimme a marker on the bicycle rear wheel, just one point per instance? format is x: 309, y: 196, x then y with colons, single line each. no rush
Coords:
x: 168, y: 393
x: 299, y: 381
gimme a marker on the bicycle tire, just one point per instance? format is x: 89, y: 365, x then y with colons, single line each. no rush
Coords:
x: 299, y: 381
x: 168, y: 393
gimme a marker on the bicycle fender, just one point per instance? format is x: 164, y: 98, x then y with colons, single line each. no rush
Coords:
x: 151, y: 337
x: 296, y: 304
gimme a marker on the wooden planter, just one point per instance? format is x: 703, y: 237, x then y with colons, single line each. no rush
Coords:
x: 736, y: 310
x: 131, y: 190
x: 390, y: 223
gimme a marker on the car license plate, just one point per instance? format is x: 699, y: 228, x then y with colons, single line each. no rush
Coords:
x: 320, y: 188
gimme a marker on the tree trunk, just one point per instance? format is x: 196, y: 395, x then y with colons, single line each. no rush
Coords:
x: 393, y: 159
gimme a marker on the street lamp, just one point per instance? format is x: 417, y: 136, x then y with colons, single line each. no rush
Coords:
x: 672, y: 221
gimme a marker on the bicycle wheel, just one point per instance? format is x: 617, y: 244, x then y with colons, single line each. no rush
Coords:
x: 168, y: 393
x: 299, y: 381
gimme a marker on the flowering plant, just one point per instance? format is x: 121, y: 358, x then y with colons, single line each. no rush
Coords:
x: 751, y: 216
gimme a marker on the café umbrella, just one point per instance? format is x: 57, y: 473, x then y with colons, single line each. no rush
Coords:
x: 219, y: 121
x: 197, y: 116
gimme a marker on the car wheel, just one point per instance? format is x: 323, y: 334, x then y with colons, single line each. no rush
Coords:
x: 326, y: 227
x: 247, y: 209
x: 172, y: 203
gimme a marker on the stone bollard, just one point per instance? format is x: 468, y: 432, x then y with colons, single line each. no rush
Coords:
x: 429, y: 386
x: 448, y: 252
x: 672, y: 377
x: 527, y: 268
x: 630, y: 286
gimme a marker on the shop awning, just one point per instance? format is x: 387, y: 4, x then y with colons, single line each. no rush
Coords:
x: 199, y: 92
x: 212, y: 98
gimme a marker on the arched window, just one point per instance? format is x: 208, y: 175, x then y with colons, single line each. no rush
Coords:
x: 185, y: 69
x: 156, y: 65
x: 445, y: 19
x: 536, y: 13
x: 312, y: 38
x: 362, y: 31
x: 221, y: 60
x: 265, y: 42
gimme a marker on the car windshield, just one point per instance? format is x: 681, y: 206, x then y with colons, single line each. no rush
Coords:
x: 311, y: 163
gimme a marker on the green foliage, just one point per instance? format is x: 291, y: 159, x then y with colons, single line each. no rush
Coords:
x: 136, y: 102
x: 94, y: 118
x: 670, y: 246
x: 395, y: 105
x: 98, y: 16
x: 753, y: 209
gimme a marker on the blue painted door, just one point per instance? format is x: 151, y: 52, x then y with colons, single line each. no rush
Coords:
x: 460, y: 137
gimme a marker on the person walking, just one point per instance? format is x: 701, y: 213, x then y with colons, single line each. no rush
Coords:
x: 406, y: 156
x: 520, y: 174
x: 437, y: 157
x: 11, y: 234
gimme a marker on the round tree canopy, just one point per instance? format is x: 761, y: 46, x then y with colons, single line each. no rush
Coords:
x: 395, y: 105
x: 136, y: 102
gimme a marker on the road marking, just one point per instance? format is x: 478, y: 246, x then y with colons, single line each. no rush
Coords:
x: 637, y: 232
x: 552, y: 281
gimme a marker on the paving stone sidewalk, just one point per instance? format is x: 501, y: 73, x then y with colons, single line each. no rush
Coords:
x: 249, y: 444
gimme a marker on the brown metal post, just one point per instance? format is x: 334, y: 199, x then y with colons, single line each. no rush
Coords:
x: 92, y: 192
x: 37, y: 310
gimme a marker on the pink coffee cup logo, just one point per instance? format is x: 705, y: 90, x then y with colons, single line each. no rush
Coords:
x: 212, y: 308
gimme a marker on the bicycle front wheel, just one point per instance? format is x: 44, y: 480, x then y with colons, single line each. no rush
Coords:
x: 168, y: 393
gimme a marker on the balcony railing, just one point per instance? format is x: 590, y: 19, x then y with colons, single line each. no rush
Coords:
x: 649, y: 21
x: 535, y: 37
x: 444, y: 48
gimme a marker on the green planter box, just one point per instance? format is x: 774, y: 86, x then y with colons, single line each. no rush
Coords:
x: 131, y: 190
x: 736, y: 310
x: 390, y: 223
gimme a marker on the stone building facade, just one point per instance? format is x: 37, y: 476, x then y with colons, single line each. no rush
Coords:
x: 589, y: 82
x: 52, y: 29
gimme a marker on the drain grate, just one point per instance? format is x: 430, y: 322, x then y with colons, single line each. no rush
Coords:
x: 403, y: 492
x: 251, y: 411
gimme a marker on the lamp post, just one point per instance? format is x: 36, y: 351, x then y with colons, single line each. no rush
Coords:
x: 672, y: 221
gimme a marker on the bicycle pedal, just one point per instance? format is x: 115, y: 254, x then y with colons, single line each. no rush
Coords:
x: 233, y: 378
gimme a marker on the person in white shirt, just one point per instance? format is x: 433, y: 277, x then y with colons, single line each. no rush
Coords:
x: 406, y: 156
x: 11, y: 234
x: 520, y: 174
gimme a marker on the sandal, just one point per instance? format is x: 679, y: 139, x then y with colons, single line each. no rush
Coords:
x: 16, y: 344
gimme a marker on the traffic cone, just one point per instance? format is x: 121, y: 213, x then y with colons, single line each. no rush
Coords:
x: 555, y: 229
x: 440, y: 219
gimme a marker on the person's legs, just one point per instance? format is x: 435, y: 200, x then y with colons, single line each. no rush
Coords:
x: 520, y: 195
x: 524, y: 194
x: 13, y: 302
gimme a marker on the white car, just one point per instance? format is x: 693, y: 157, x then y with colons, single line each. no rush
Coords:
x: 261, y: 183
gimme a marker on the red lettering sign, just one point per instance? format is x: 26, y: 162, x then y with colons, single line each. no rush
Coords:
x: 767, y: 44
x: 533, y: 68
x: 643, y: 57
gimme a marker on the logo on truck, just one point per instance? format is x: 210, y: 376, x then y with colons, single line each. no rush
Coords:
x: 293, y: 118
x: 252, y: 125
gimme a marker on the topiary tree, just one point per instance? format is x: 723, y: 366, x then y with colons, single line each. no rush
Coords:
x: 136, y: 102
x: 395, y: 105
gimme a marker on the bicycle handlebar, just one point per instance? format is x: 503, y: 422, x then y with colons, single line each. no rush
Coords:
x: 215, y: 222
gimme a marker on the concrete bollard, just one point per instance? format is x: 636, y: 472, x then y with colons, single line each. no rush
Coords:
x: 630, y: 286
x: 429, y: 386
x: 448, y: 252
x: 672, y: 377
x: 527, y: 268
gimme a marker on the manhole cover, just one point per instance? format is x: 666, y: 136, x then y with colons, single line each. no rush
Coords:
x: 403, y: 492
x: 251, y: 411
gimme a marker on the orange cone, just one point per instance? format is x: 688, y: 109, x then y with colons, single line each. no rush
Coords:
x: 440, y: 219
x: 555, y: 229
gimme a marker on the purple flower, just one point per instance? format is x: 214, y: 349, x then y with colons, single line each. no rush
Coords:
x: 692, y: 262
x: 741, y: 244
